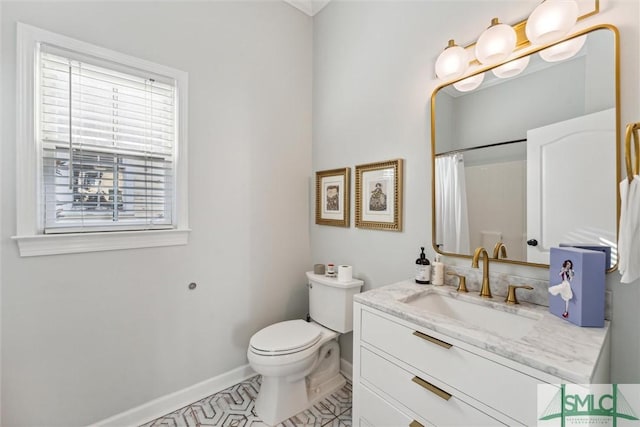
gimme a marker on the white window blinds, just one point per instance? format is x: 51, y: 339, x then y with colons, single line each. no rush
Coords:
x: 108, y: 144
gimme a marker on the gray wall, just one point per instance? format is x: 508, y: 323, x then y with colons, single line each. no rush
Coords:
x: 87, y: 336
x: 373, y: 78
x: 506, y: 111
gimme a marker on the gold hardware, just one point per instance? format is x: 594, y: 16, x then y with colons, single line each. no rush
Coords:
x: 414, y: 423
x: 511, y: 293
x: 499, y: 249
x: 433, y: 389
x: 432, y: 339
x: 632, y: 129
x: 485, y: 291
x: 462, y: 284
x: 595, y: 11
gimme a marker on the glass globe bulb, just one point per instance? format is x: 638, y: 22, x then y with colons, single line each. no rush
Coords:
x: 511, y: 68
x: 551, y: 20
x: 496, y: 43
x: 452, y: 63
x: 470, y: 83
x: 564, y: 50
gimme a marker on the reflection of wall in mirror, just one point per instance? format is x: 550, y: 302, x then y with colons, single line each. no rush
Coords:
x: 505, y: 111
x: 502, y: 210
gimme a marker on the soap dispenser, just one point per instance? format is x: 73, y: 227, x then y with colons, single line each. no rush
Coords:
x: 423, y: 269
x: 438, y: 272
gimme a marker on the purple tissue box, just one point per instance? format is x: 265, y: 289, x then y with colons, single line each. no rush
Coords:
x: 576, y: 285
x: 594, y: 247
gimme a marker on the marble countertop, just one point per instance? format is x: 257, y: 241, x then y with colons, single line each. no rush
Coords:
x: 552, y: 345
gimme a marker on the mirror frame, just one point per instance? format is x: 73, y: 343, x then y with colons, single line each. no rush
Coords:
x: 617, y: 147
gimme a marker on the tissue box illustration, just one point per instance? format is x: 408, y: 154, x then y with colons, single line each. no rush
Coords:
x: 576, y: 285
x: 593, y: 247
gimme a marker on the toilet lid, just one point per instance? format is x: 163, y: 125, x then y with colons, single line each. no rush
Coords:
x: 286, y: 337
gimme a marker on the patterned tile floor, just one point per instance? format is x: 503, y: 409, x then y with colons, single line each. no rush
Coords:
x: 233, y: 407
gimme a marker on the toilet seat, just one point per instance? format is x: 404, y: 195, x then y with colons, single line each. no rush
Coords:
x: 292, y: 336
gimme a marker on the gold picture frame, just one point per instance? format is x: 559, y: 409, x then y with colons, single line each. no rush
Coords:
x: 379, y: 195
x: 333, y: 197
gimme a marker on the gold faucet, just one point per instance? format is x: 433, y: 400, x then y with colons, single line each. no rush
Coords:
x: 462, y: 284
x: 485, y: 291
x: 499, y: 249
x: 511, y: 293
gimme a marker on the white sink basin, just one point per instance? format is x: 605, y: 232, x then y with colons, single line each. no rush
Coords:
x: 477, y: 315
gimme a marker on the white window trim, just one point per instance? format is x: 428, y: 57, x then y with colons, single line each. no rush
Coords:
x: 30, y: 238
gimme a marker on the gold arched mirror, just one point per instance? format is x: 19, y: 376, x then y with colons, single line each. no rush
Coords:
x: 530, y: 161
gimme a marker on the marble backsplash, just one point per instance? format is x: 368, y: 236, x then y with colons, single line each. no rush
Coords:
x: 501, y: 281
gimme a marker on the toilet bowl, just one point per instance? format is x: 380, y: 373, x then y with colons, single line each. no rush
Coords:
x: 300, y: 361
x: 291, y: 356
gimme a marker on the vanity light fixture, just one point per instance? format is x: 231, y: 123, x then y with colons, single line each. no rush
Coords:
x: 453, y: 62
x: 496, y: 43
x: 551, y: 21
x: 564, y: 50
x: 511, y: 68
x: 470, y: 83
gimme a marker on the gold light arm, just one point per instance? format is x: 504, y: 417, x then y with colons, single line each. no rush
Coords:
x: 595, y: 11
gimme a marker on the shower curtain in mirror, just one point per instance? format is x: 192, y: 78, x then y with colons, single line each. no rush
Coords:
x: 452, y: 222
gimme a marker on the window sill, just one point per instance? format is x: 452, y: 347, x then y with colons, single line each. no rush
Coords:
x: 55, y: 244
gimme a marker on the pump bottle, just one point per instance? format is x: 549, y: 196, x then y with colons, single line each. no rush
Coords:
x: 438, y: 272
x: 423, y: 269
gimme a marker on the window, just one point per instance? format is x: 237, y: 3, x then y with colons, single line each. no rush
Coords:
x: 107, y: 142
x: 103, y: 142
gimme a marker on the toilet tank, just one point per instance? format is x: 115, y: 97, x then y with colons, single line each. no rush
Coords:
x: 331, y: 301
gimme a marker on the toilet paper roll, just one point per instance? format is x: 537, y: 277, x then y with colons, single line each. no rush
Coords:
x: 345, y: 273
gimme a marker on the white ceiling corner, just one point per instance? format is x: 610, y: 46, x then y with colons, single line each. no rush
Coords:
x: 310, y: 7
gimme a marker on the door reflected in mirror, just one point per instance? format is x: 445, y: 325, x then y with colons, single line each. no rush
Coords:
x: 529, y: 161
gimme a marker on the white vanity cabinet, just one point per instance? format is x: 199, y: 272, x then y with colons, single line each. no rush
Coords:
x: 405, y: 374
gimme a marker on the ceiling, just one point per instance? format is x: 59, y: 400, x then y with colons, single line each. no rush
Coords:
x: 310, y: 7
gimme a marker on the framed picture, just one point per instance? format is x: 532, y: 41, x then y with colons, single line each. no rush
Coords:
x: 379, y: 195
x: 332, y: 197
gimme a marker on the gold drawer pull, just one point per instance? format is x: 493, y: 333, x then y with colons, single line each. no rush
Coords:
x: 432, y: 339
x: 433, y: 389
x: 414, y: 423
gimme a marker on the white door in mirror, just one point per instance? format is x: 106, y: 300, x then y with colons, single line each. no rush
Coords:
x: 556, y: 155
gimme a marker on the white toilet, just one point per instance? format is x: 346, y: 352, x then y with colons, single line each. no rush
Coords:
x: 300, y: 361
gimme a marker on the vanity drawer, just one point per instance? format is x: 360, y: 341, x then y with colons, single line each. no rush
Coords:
x: 418, y: 395
x: 455, y: 367
x: 377, y: 412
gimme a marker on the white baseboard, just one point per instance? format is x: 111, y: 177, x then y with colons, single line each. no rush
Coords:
x: 163, y: 405
x: 181, y: 398
x: 346, y: 368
